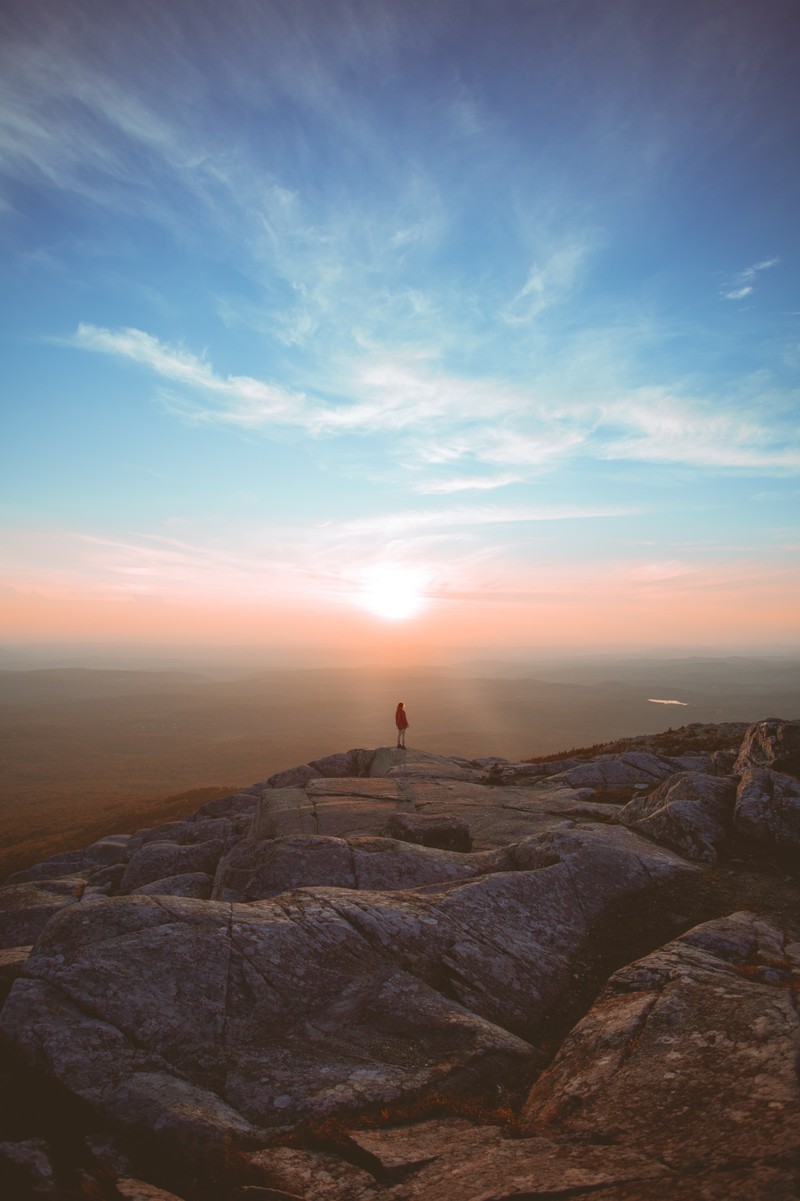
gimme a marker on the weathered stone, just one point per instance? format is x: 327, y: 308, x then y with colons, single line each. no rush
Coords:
x: 447, y: 833
x: 257, y: 869
x: 12, y: 961
x: 228, y: 829
x: 294, y: 777
x: 495, y: 816
x: 292, y: 1174
x: 393, y: 762
x: 108, y: 851
x: 343, y: 764
x: 189, y: 884
x: 131, y: 1189
x: 25, y: 909
x: 28, y: 1168
x: 704, y: 1030
x: 356, y: 972
x: 768, y: 807
x: 690, y: 812
x: 202, y: 1021
x: 159, y: 860
x: 608, y: 772
x: 771, y: 743
x: 105, y: 880
x: 56, y: 867
x: 457, y: 1160
x: 237, y: 804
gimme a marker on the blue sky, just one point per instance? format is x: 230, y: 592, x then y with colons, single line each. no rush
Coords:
x: 492, y: 306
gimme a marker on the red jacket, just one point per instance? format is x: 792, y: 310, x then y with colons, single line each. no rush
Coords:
x: 400, y: 719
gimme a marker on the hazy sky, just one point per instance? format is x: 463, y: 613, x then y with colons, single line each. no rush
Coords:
x: 465, y: 321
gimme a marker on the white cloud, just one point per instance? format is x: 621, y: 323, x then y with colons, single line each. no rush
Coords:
x: 549, y: 283
x: 446, y: 419
x: 478, y: 483
x: 742, y: 284
x: 241, y: 400
x: 470, y: 517
x: 657, y: 427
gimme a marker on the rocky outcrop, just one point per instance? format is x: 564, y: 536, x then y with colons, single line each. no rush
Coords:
x: 343, y: 983
x: 768, y: 808
x: 772, y: 743
x: 689, y: 812
x: 258, y: 869
x: 704, y: 1030
x: 26, y: 908
x: 160, y: 860
x: 322, y: 1000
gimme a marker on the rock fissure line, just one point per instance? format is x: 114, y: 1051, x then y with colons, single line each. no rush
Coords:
x: 243, y: 954
x: 227, y: 986
x: 354, y: 866
x: 87, y: 1011
x: 314, y: 813
x: 632, y: 1043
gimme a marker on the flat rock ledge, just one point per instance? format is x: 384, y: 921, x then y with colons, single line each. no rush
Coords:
x: 391, y: 975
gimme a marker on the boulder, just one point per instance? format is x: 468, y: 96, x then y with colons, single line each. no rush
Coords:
x: 237, y: 804
x: 25, y: 909
x: 771, y: 743
x: 294, y: 777
x: 456, y: 1160
x: 12, y: 961
x: 768, y: 807
x: 447, y: 833
x: 228, y: 828
x: 343, y: 764
x: 689, y: 1058
x: 609, y: 772
x: 257, y: 869
x: 690, y: 812
x: 160, y: 860
x: 189, y: 884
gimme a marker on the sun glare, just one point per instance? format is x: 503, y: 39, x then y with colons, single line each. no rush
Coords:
x: 392, y: 591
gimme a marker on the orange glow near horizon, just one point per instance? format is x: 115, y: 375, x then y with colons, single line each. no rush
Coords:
x: 584, y: 615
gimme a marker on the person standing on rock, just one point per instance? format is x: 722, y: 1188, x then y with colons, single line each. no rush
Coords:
x: 401, y: 721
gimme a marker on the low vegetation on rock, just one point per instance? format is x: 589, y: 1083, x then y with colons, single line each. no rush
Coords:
x: 394, y: 976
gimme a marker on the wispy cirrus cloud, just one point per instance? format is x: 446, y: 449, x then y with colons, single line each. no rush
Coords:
x: 473, y: 516
x: 236, y: 400
x: 549, y: 283
x: 652, y: 425
x: 447, y: 420
x: 742, y: 284
x: 472, y: 483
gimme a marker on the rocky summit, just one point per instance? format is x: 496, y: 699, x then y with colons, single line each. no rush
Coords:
x: 393, y: 976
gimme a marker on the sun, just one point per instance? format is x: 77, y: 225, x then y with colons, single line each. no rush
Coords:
x: 392, y: 591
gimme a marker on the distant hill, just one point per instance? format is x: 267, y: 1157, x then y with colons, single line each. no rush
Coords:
x: 45, y: 685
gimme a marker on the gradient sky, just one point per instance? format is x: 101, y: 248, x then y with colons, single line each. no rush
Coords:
x: 332, y: 321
